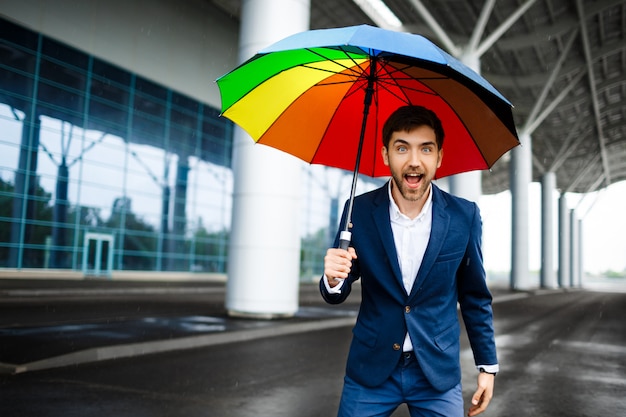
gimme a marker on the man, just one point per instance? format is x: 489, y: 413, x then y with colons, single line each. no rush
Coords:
x: 417, y: 252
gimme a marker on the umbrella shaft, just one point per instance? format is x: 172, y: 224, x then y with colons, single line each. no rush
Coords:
x: 369, y: 93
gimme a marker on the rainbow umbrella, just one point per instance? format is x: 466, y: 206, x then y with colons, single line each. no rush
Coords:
x: 323, y: 96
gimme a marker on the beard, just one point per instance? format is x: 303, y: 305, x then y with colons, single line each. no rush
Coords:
x: 408, y: 193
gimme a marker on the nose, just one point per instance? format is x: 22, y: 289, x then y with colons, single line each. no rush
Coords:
x: 414, y: 159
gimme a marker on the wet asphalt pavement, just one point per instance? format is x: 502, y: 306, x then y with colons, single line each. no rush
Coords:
x: 561, y: 354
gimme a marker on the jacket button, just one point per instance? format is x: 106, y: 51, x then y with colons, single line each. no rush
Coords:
x: 396, y: 346
x: 407, y: 309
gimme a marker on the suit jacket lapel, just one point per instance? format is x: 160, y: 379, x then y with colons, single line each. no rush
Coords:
x: 438, y: 232
x: 382, y: 222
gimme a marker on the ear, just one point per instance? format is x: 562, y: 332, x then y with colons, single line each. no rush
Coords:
x: 439, y: 158
x: 383, y: 151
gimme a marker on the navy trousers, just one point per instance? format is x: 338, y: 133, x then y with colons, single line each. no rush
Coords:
x: 406, y: 385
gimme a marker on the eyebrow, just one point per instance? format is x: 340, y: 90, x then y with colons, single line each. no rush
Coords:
x: 404, y: 142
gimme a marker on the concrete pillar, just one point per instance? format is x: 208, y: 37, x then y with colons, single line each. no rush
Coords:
x: 564, y: 243
x: 548, y: 188
x: 468, y: 184
x: 444, y: 183
x: 520, y: 177
x: 264, y: 251
x: 574, y: 248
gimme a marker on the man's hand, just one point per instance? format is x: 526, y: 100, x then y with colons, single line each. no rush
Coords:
x: 337, y: 264
x: 484, y: 393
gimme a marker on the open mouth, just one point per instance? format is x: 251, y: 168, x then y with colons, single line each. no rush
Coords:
x: 413, y: 179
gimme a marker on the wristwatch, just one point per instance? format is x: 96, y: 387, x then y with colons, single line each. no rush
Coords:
x: 482, y: 370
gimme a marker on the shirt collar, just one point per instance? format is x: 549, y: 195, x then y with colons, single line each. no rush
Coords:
x: 395, y: 212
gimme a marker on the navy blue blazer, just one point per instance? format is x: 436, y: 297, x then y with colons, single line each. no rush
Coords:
x: 451, y: 271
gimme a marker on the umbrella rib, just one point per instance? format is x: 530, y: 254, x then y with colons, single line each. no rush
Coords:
x: 325, y: 58
x: 350, y: 72
x: 356, y: 74
x: 386, y: 85
x: 391, y: 79
x: 404, y: 98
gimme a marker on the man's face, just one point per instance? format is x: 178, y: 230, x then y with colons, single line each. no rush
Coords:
x: 413, y: 158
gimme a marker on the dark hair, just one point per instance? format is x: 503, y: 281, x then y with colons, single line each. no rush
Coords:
x: 406, y: 118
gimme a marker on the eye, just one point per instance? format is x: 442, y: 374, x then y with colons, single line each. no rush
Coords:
x: 402, y: 148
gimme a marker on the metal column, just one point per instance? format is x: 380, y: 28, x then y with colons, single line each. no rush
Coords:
x: 574, y: 249
x: 548, y: 188
x: 521, y: 177
x: 564, y: 243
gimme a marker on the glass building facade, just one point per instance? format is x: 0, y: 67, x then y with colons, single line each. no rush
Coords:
x: 102, y: 170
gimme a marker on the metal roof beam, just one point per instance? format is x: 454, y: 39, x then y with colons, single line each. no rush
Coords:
x: 594, y: 93
x: 549, y: 31
x: 531, y: 125
x: 597, y: 183
x: 591, y: 164
x: 536, y: 79
x: 479, y: 28
x: 436, y: 28
x: 473, y: 47
x: 537, y: 164
x: 493, y: 38
x: 568, y: 147
x: 548, y: 86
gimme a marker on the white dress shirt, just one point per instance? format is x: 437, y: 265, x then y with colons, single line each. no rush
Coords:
x: 411, y: 237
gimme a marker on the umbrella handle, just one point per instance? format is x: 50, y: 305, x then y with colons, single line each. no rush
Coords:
x: 344, y: 239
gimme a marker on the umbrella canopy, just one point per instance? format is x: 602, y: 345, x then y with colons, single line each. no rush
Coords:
x: 307, y: 95
x: 324, y: 95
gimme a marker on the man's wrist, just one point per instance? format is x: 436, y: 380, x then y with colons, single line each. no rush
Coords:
x: 484, y: 371
x: 336, y: 289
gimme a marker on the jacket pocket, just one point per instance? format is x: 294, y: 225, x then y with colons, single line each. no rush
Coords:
x: 365, y: 335
x: 450, y: 256
x: 448, y: 337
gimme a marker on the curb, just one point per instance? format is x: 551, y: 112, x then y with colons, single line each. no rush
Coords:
x: 161, y: 346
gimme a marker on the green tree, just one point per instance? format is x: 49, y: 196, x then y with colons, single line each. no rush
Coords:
x: 210, y: 249
x: 312, y: 251
x: 37, y: 228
